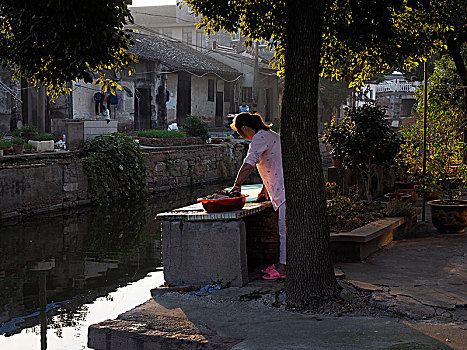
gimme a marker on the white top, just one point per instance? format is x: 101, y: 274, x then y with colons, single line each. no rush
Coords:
x: 265, y: 153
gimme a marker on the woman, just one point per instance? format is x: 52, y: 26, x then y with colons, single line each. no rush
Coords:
x: 265, y: 153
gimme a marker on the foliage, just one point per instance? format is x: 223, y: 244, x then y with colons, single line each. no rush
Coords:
x: 340, y: 206
x: 27, y: 146
x: 335, y: 135
x: 163, y: 134
x: 195, y: 127
x: 43, y: 137
x: 4, y: 144
x: 29, y: 128
x: 360, y: 37
x: 47, y: 43
x: 399, y: 208
x: 115, y: 167
x: 369, y: 141
x: 333, y: 93
x: 445, y: 124
x: 16, y: 132
x: 17, y: 140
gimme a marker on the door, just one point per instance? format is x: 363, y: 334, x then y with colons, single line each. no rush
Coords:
x: 142, y: 109
x: 219, y: 109
x: 183, y: 97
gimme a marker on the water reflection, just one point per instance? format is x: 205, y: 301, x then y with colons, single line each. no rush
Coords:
x: 54, y: 270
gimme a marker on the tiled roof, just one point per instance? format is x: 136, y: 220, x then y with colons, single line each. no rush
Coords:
x: 178, y: 56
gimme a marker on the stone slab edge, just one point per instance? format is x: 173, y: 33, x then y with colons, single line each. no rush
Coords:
x: 370, y: 231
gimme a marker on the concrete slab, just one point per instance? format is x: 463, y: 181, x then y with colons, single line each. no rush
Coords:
x: 430, y: 271
x: 190, y: 322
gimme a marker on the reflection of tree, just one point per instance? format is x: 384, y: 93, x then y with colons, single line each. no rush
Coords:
x: 68, y: 318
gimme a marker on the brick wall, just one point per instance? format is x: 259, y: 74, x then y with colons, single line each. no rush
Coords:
x: 262, y: 239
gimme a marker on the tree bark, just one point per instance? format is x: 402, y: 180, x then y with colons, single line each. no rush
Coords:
x: 310, y: 274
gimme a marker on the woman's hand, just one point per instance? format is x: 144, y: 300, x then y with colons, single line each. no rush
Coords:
x: 236, y: 188
x: 263, y: 195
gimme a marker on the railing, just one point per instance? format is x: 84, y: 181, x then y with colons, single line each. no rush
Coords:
x: 396, y: 87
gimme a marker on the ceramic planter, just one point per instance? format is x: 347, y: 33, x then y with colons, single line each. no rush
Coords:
x: 42, y: 146
x: 449, y: 218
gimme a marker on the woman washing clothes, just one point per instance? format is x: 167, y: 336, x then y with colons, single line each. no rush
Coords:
x: 265, y: 153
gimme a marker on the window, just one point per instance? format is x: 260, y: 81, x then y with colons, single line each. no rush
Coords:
x: 187, y: 35
x: 200, y: 40
x: 211, y: 90
x: 247, y: 93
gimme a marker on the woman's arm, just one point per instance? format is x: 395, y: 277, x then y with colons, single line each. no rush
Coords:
x: 242, y: 175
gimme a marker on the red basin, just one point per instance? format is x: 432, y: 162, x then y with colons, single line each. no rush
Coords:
x: 222, y: 205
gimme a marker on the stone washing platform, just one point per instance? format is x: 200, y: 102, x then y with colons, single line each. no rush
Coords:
x: 199, y: 248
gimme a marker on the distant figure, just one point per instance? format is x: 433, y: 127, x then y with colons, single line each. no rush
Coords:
x: 106, y: 114
x: 244, y: 108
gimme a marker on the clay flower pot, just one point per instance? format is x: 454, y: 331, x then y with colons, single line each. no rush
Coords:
x: 18, y: 148
x: 449, y: 216
x: 337, y: 163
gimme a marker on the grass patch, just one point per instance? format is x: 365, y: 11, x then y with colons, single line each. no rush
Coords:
x: 162, y: 134
x: 43, y: 137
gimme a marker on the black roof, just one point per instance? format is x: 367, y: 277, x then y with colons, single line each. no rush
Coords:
x: 178, y: 56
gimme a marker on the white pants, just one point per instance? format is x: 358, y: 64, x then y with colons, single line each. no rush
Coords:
x: 282, y: 234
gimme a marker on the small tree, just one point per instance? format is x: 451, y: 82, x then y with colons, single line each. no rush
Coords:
x: 195, y: 127
x: 370, y: 142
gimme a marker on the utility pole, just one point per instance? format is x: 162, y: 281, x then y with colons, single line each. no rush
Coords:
x: 425, y: 95
x: 256, y: 80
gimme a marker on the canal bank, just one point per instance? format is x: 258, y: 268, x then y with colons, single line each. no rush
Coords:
x: 64, y: 270
x: 39, y: 183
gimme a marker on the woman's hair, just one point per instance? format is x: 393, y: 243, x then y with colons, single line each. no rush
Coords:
x: 254, y: 121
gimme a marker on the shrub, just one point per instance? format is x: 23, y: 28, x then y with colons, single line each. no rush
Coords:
x: 29, y: 128
x: 17, y: 140
x: 43, y: 137
x: 5, y: 144
x: 27, y: 146
x: 115, y: 166
x: 162, y: 134
x: 195, y: 127
x: 334, y: 136
x: 369, y: 142
x: 399, y: 208
x: 16, y: 132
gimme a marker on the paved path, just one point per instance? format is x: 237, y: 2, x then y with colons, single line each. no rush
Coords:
x: 418, y: 285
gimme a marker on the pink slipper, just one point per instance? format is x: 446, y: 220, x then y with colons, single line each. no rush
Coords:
x: 269, y: 268
x: 273, y: 275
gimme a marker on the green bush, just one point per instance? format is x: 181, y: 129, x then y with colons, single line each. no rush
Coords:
x: 195, y: 127
x: 27, y: 146
x: 162, y: 134
x: 5, y: 144
x: 16, y: 132
x: 43, y: 137
x: 399, y: 208
x: 29, y: 128
x: 17, y: 140
x: 115, y: 167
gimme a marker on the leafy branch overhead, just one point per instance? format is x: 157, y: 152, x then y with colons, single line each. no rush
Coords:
x: 51, y: 42
x: 360, y: 37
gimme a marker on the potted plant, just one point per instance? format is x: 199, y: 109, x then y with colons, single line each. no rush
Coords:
x: 334, y: 136
x: 42, y: 142
x: 28, y: 131
x: 28, y: 148
x: 18, y: 145
x: 5, y: 146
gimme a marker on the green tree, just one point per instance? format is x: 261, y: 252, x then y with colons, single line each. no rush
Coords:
x: 52, y: 42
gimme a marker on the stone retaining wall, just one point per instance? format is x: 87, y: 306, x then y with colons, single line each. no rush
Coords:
x: 38, y: 183
x: 157, y: 142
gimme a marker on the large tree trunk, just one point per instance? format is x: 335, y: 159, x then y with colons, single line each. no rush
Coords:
x: 310, y: 274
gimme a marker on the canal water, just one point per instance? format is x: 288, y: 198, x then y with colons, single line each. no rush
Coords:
x: 59, y: 274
